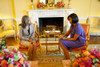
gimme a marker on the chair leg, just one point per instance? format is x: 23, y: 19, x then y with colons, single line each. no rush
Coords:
x: 66, y: 52
x: 30, y: 48
x: 34, y: 50
x: 15, y: 37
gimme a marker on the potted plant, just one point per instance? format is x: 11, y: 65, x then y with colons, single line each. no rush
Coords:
x: 60, y: 4
x: 40, y: 5
x: 2, y: 44
x: 12, y: 58
x: 88, y: 58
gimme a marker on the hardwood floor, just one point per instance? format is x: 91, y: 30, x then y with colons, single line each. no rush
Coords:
x: 94, y: 40
x: 11, y: 41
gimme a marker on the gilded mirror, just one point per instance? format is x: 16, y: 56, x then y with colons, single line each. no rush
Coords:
x: 52, y: 1
x: 57, y: 1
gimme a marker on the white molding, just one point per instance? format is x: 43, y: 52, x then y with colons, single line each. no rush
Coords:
x: 93, y: 16
x: 17, y: 19
x: 51, y: 10
x: 83, y: 18
x: 6, y: 18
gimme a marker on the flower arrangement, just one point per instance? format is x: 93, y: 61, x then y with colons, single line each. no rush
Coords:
x: 2, y: 44
x: 60, y: 4
x: 12, y: 58
x: 40, y: 5
x: 88, y: 58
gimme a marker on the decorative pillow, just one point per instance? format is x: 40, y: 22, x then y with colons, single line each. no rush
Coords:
x: 8, y: 24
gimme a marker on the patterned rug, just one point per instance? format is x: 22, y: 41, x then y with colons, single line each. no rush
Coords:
x: 52, y: 48
x: 51, y: 57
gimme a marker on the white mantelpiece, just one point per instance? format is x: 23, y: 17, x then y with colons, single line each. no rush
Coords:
x: 36, y: 14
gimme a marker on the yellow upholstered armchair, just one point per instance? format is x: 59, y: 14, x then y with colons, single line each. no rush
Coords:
x: 1, y: 26
x: 8, y: 28
x: 1, y: 29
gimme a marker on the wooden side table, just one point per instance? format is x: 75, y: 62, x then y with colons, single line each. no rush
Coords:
x: 52, y: 33
x: 33, y: 63
x: 66, y: 63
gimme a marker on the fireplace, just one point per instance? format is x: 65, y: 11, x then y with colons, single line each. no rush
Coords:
x: 41, y: 17
x: 50, y: 24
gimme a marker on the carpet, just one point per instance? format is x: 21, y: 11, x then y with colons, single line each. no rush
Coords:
x: 54, y: 57
x: 50, y: 59
x: 42, y: 51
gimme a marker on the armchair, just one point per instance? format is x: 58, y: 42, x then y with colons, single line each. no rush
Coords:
x: 36, y: 37
x: 94, y: 28
x: 1, y: 26
x: 8, y: 28
x: 86, y: 29
x: 1, y: 29
x: 23, y: 48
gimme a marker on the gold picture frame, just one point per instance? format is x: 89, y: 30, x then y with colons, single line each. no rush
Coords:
x: 52, y: 1
x: 49, y: 4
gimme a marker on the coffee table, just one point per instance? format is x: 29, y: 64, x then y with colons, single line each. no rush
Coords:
x: 52, y: 33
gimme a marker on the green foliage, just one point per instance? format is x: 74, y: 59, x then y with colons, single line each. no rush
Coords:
x: 2, y: 44
x: 95, y: 60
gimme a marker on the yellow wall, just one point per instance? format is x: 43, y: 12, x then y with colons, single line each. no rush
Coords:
x: 6, y: 9
x: 17, y: 8
x: 95, y: 8
x: 81, y: 6
x: 20, y: 7
x: 86, y: 7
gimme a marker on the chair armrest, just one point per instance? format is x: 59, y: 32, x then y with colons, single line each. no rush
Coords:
x: 1, y: 28
x: 88, y: 36
x: 37, y: 33
x: 13, y: 27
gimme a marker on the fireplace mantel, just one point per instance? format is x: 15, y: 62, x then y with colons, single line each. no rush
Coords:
x: 51, y: 10
x: 36, y: 14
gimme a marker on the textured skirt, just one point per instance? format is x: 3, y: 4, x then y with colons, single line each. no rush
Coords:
x: 26, y: 43
x: 71, y: 44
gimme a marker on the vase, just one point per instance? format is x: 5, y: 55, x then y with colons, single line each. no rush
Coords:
x: 32, y: 6
x: 69, y: 5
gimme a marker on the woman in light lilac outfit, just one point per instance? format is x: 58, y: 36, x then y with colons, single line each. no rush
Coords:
x: 26, y: 35
x: 77, y: 36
